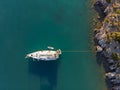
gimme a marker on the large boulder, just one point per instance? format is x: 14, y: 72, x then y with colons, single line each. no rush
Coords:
x: 99, y: 49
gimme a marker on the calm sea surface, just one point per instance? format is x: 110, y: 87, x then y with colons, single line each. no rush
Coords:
x: 30, y: 25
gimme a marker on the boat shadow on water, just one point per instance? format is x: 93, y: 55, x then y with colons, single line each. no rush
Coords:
x: 47, y: 71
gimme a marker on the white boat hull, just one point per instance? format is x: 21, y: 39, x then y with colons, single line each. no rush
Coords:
x: 46, y: 55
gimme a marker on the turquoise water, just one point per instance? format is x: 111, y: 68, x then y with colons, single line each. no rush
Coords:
x: 30, y: 25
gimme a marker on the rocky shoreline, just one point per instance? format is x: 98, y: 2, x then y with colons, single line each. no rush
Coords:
x: 107, y: 40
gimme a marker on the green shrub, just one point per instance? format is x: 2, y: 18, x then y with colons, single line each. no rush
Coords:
x: 118, y: 11
x: 117, y: 36
x: 113, y: 36
x: 108, y: 1
x: 109, y: 38
x: 115, y: 56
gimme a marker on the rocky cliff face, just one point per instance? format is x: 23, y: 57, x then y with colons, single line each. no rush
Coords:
x: 107, y: 38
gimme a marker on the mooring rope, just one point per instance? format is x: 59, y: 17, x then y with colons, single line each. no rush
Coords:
x: 76, y: 51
